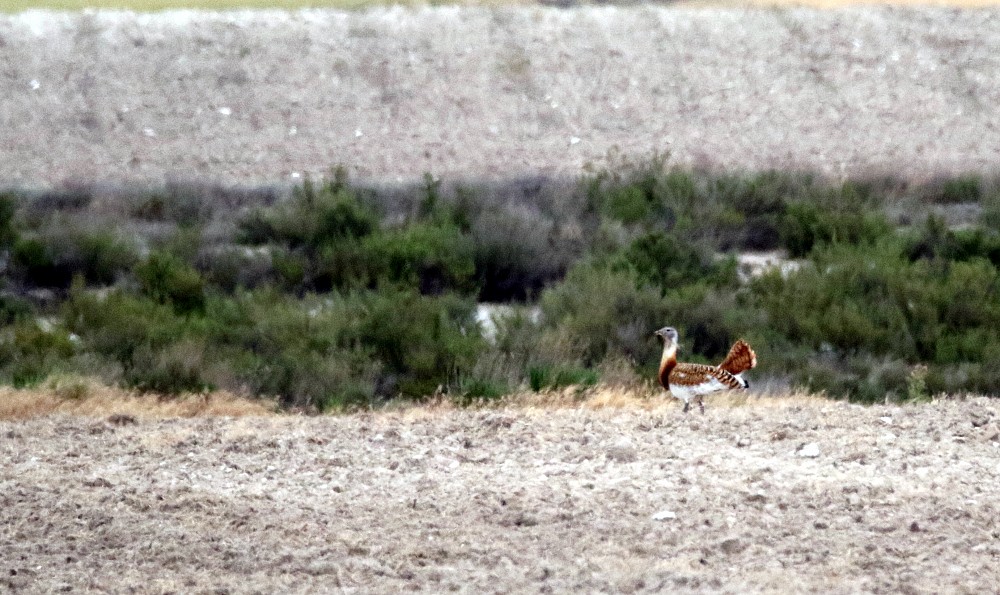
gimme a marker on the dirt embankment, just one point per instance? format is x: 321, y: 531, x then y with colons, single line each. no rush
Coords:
x: 769, y: 496
x: 261, y: 97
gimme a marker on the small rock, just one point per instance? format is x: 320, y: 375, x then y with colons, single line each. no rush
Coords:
x: 664, y: 515
x: 732, y: 546
x: 757, y: 497
x: 622, y: 452
x: 97, y: 482
x: 810, y: 450
x: 886, y: 420
x: 122, y: 419
x: 821, y: 525
x: 779, y: 435
x: 915, y: 528
x: 742, y: 442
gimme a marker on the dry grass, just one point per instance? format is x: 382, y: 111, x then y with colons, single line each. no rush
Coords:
x: 88, y: 398
x: 646, y: 398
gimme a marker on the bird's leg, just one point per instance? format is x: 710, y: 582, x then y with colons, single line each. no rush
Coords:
x: 701, y: 404
x: 686, y: 406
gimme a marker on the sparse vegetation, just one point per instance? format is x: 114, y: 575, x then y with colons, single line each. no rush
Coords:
x: 340, y: 295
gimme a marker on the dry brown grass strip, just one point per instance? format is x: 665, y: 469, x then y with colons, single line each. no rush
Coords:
x: 88, y: 398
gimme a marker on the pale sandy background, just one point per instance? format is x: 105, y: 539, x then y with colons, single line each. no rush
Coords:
x: 391, y: 93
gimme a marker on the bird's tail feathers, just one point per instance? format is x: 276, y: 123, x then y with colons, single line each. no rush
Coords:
x: 741, y: 358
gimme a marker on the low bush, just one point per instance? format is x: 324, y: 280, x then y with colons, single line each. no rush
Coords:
x: 548, y: 377
x: 668, y: 263
x: 807, y: 226
x: 599, y: 312
x: 30, y: 351
x: 432, y: 258
x: 168, y: 280
x: 53, y: 258
x: 424, y: 343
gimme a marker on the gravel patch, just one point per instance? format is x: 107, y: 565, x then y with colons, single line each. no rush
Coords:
x: 897, y: 499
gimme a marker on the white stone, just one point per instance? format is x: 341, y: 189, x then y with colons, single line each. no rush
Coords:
x: 664, y: 515
x: 810, y: 450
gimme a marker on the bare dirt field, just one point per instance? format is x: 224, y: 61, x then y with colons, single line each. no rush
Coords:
x: 391, y: 93
x: 771, y: 495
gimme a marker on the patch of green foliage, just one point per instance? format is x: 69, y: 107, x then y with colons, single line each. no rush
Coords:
x: 342, y: 296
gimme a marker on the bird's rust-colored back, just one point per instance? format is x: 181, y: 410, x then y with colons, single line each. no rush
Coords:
x: 740, y: 359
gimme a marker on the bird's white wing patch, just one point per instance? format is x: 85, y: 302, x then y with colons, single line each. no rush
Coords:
x: 711, y: 385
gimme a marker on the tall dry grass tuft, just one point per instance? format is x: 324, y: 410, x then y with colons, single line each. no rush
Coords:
x: 89, y: 398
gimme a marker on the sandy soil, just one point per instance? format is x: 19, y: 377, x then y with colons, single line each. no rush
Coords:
x: 892, y: 499
x: 391, y: 93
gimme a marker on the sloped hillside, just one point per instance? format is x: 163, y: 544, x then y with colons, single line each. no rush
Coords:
x: 251, y: 97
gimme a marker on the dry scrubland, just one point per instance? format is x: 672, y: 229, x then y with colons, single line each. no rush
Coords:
x: 616, y: 493
x: 255, y: 97
x: 112, y: 492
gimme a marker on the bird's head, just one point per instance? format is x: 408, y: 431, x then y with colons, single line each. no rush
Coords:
x: 668, y: 334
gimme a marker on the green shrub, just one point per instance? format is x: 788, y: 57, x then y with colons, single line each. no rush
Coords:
x: 424, y: 342
x: 807, y: 225
x: 8, y: 230
x: 430, y: 258
x: 176, y: 368
x: 668, y: 263
x: 117, y: 325
x: 543, y: 377
x: 237, y: 267
x: 311, y: 219
x: 53, y: 259
x: 104, y: 257
x: 473, y: 390
x: 30, y: 351
x: 33, y: 263
x: 183, y: 205
x: 166, y: 279
x: 936, y: 241
x: 13, y: 308
x: 966, y: 188
x: 604, y: 311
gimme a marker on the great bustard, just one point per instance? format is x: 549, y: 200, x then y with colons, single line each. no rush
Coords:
x: 689, y: 381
